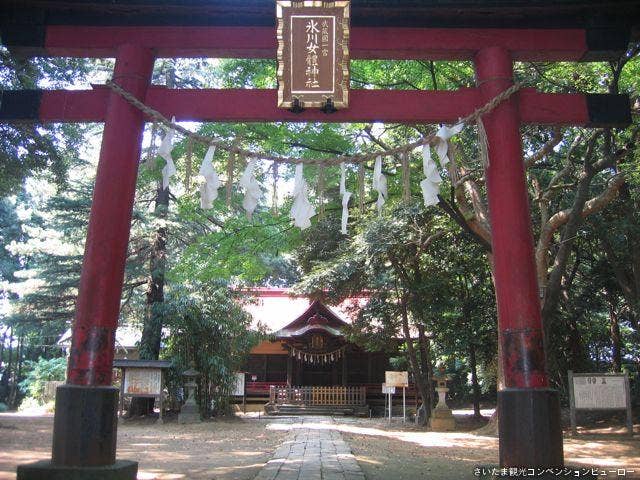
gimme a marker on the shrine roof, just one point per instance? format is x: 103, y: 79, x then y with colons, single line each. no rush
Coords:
x: 318, y: 317
x: 404, y: 13
x: 126, y: 363
x: 281, y: 312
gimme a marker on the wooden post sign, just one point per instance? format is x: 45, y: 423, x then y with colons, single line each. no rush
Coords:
x: 141, y: 378
x: 599, y: 391
x: 313, y: 54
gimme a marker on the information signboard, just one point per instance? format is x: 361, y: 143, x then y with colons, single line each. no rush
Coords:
x: 313, y: 53
x: 396, y: 379
x: 387, y: 389
x: 239, y: 389
x: 599, y: 391
x: 143, y: 381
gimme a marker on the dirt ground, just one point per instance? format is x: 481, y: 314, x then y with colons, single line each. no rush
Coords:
x: 405, y: 452
x: 237, y: 449
x: 221, y: 450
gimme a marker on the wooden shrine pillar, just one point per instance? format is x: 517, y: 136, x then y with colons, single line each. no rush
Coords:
x: 85, y: 423
x: 265, y: 367
x: 345, y: 371
x: 289, y: 370
x: 529, y: 415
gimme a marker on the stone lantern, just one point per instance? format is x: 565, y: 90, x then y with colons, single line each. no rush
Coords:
x: 441, y: 416
x: 189, y: 413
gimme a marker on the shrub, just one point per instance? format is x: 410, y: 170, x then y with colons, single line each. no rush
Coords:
x: 40, y: 372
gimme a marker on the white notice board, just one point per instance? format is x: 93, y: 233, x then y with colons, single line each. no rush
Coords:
x: 239, y: 390
x: 386, y: 389
x: 599, y: 392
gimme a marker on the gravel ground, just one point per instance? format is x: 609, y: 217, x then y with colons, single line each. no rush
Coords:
x: 237, y: 449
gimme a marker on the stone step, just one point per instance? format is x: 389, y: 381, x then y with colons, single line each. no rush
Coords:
x: 318, y: 410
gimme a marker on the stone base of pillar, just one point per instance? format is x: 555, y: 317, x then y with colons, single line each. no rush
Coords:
x: 442, y: 420
x: 45, y: 470
x: 85, y: 426
x: 84, y: 438
x: 529, y: 428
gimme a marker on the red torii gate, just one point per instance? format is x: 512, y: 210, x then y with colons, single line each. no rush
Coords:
x: 85, y: 420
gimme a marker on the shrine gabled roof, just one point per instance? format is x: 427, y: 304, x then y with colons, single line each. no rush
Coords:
x: 276, y: 309
x: 317, y: 317
x: 403, y: 13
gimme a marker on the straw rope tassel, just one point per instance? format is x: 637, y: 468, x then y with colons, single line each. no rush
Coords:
x: 483, y: 144
x: 361, y: 187
x: 452, y: 166
x: 406, y: 178
x: 187, y: 177
x: 151, y: 153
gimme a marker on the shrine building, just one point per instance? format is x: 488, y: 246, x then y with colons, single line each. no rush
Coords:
x: 307, y: 351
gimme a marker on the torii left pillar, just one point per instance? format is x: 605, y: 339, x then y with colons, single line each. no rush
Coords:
x: 85, y: 423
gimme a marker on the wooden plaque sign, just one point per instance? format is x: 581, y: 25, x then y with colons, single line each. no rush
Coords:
x: 313, y: 53
x: 143, y: 381
x: 396, y: 379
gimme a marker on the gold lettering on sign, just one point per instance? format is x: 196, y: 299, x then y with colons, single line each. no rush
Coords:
x: 312, y: 54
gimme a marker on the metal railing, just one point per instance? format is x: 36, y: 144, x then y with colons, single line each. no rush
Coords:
x: 318, y: 395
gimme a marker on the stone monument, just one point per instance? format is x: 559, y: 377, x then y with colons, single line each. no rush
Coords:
x: 441, y: 416
x: 189, y: 413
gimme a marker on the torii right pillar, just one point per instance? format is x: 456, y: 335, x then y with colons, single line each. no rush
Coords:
x: 530, y: 432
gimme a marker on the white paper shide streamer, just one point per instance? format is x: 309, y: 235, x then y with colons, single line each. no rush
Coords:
x: 165, y: 152
x: 252, y: 190
x: 431, y: 184
x: 379, y: 183
x: 443, y: 135
x: 209, y: 189
x: 346, y: 196
x: 301, y: 210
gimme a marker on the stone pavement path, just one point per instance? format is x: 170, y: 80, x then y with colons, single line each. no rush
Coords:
x: 313, y: 451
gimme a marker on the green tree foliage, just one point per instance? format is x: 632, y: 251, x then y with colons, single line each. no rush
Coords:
x: 27, y: 150
x: 208, y: 330
x: 41, y: 371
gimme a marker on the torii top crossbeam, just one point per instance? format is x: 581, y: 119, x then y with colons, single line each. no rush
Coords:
x: 492, y: 34
x: 451, y: 30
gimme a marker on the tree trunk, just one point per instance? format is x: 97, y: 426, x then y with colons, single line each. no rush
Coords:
x: 425, y: 365
x: 413, y: 358
x: 616, y: 342
x: 474, y: 380
x: 13, y: 395
x: 7, y: 374
x: 4, y: 339
x: 576, y: 346
x: 152, y: 328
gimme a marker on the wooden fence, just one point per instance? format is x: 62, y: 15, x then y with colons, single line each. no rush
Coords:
x: 318, y: 395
